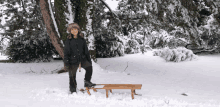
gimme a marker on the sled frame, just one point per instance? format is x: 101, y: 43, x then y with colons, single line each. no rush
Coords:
x: 109, y: 87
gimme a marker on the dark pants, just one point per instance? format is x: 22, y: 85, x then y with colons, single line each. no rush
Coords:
x: 72, y: 73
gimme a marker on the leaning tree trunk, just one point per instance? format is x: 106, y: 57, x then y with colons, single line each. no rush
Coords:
x: 44, y: 7
x: 64, y: 15
x: 53, y: 34
x: 80, y: 18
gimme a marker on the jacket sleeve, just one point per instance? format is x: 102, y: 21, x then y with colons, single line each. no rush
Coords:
x: 86, y: 50
x: 66, y: 53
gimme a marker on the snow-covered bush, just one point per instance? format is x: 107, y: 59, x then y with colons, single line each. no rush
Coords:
x: 163, y: 39
x: 24, y: 49
x: 175, y: 55
x: 109, y: 46
x: 132, y: 46
x: 139, y: 36
x: 145, y: 48
x: 120, y: 49
x: 160, y: 38
x: 173, y: 43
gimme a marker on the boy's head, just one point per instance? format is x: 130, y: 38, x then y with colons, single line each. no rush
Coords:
x: 73, y: 25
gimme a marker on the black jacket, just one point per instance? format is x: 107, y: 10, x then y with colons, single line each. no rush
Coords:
x: 76, y: 51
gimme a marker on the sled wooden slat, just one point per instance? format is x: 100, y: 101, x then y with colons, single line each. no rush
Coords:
x: 109, y: 87
x: 121, y: 87
x: 122, y: 84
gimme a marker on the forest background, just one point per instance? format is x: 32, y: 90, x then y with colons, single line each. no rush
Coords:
x: 135, y: 26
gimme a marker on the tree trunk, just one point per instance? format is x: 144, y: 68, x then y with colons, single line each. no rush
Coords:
x: 44, y: 6
x: 45, y: 11
x: 81, y: 9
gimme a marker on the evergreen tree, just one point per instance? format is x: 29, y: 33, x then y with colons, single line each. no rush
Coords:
x: 26, y: 31
x: 107, y: 31
x: 185, y: 20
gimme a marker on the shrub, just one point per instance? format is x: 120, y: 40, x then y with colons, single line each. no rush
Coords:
x: 109, y: 46
x: 175, y: 55
x: 145, y: 48
x: 132, y: 46
x: 29, y: 50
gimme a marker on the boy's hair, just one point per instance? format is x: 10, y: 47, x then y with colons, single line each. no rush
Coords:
x: 74, y: 25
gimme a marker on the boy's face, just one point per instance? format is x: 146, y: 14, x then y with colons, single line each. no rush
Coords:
x: 74, y: 31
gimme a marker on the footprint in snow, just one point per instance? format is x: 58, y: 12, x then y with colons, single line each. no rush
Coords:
x: 184, y: 94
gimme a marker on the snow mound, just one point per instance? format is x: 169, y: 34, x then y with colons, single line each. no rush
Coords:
x: 3, y: 57
x: 176, y: 55
x: 96, y: 66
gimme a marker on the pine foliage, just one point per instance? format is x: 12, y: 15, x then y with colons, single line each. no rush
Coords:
x: 132, y: 46
x: 27, y: 33
x: 108, y: 40
x: 193, y: 22
x: 31, y: 49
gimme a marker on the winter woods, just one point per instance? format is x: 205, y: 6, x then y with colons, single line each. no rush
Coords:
x: 51, y: 19
x: 26, y: 32
x: 135, y: 26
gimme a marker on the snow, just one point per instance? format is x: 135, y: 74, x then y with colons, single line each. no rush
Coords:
x: 3, y: 8
x: 183, y: 39
x: 210, y: 24
x: 91, y: 45
x: 176, y: 55
x: 3, y: 57
x: 37, y: 84
x: 70, y: 15
x: 171, y: 8
x: 112, y: 4
x: 162, y: 34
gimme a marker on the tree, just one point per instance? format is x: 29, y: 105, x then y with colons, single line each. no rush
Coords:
x: 1, y: 50
x: 185, y: 20
x: 82, y: 17
x: 60, y: 17
x: 49, y: 22
x: 24, y: 26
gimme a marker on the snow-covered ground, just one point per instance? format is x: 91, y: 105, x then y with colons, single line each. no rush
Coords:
x: 163, y: 83
x: 3, y: 57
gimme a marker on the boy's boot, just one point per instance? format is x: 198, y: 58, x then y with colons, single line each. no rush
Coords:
x: 87, y: 80
x: 88, y: 84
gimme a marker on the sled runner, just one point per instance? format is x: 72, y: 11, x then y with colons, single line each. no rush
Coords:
x: 109, y: 87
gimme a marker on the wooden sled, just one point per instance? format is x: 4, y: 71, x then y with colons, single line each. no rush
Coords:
x: 109, y: 87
